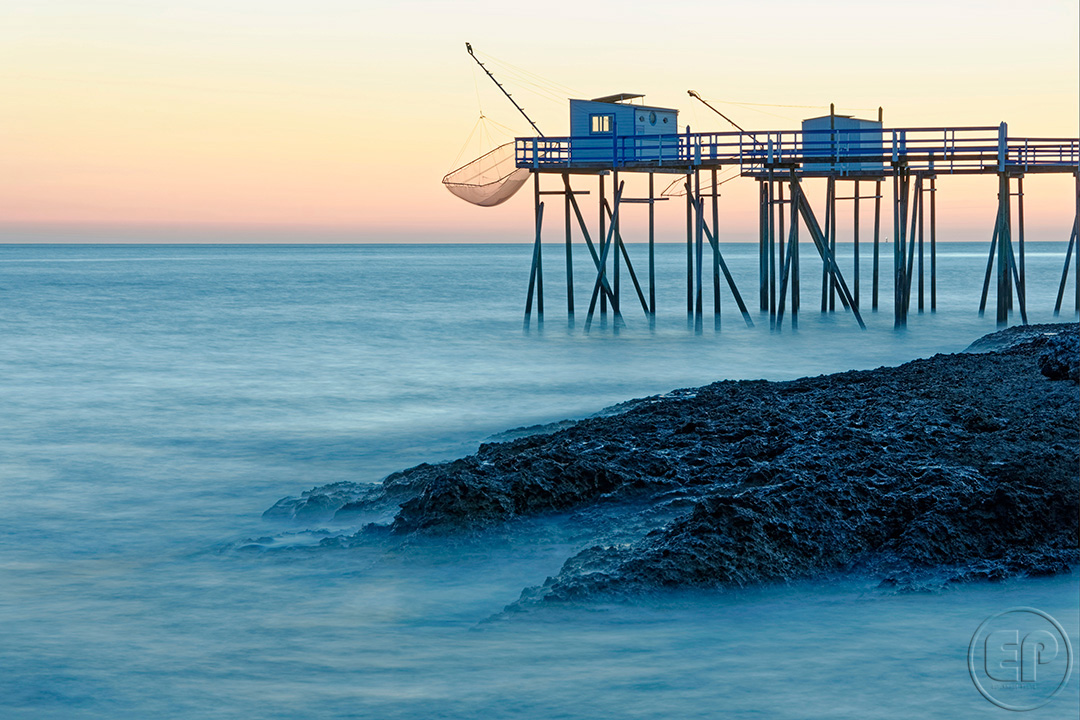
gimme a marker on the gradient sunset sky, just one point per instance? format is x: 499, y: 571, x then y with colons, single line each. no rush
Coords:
x: 317, y: 119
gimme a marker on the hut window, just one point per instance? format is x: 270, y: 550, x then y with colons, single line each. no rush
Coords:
x: 600, y: 123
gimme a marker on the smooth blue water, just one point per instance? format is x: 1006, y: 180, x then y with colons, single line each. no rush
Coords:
x: 154, y: 400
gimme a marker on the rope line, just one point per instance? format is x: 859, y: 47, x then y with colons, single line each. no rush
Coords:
x: 540, y: 78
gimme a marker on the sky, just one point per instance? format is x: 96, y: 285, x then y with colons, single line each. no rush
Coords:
x: 310, y: 120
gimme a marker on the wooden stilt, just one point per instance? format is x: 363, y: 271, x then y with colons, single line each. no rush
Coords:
x: 616, y: 305
x: 903, y: 241
x: 1003, y: 250
x: 780, y: 236
x: 689, y: 247
x: 716, y: 250
x: 793, y: 248
x: 904, y: 276
x: 921, y: 245
x: 914, y: 209
x: 770, y: 230
x: 699, y: 235
x: 569, y: 251
x: 1009, y: 252
x: 1015, y: 275
x: 1021, y: 280
x: 829, y: 189
x: 855, y: 251
x: 652, y: 263
x: 877, y: 235
x: 536, y: 274
x: 763, y: 261
x: 832, y: 242
x: 899, y: 189
x: 601, y: 238
x: 933, y: 244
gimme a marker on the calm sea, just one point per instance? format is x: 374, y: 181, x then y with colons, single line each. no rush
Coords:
x: 154, y: 400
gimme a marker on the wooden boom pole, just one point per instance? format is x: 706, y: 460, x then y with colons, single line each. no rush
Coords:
x: 499, y: 84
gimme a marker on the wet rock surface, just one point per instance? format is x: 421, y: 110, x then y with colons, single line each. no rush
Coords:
x: 952, y: 468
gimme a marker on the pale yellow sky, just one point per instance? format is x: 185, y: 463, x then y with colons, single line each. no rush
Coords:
x: 345, y: 115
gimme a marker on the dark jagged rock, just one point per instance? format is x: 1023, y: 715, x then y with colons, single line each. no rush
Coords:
x: 956, y: 467
x: 1059, y: 359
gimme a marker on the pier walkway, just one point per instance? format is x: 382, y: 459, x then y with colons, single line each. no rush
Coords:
x: 814, y: 153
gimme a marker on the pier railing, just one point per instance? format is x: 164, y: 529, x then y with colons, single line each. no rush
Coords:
x: 855, y: 152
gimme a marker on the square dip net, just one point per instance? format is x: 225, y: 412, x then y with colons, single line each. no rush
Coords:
x: 490, y: 179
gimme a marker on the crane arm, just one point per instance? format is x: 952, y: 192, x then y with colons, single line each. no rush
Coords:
x: 508, y: 96
x: 694, y: 95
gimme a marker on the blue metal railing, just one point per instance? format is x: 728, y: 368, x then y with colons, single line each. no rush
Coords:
x: 843, y: 151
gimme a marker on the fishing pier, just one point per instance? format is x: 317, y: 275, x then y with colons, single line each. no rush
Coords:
x: 857, y: 159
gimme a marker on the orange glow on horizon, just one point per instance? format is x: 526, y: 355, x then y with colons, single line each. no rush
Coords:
x: 335, y: 116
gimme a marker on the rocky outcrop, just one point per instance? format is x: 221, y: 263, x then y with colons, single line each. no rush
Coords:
x: 953, y: 467
x: 1058, y: 360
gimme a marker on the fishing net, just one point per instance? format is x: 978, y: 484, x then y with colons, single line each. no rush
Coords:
x: 490, y: 179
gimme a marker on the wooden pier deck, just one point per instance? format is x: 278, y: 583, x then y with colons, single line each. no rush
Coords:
x: 848, y: 153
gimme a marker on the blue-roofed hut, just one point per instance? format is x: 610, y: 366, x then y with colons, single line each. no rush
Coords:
x: 613, y: 128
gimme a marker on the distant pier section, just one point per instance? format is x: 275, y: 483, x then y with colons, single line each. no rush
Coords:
x: 610, y: 135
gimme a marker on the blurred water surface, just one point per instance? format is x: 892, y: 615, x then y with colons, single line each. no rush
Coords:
x: 156, y: 399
